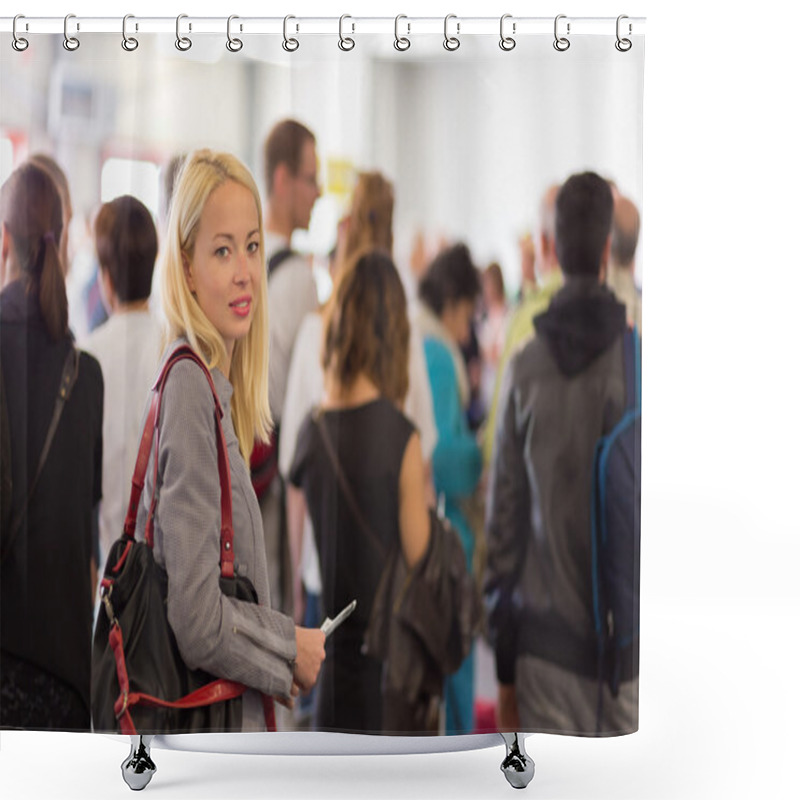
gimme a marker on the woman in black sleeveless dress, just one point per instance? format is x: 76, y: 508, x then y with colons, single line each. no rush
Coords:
x: 377, y: 455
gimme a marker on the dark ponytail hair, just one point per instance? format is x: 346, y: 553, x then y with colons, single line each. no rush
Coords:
x: 30, y: 208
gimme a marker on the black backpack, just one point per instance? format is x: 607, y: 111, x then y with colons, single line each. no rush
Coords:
x: 616, y: 534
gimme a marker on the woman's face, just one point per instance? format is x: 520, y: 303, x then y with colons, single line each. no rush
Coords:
x: 457, y: 317
x: 226, y: 268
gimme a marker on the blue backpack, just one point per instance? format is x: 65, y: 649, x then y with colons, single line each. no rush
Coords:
x: 616, y: 534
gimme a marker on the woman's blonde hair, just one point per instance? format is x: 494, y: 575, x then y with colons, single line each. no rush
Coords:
x: 371, y: 212
x: 202, y: 173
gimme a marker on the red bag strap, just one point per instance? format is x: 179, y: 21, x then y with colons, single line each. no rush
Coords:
x: 150, y: 432
x: 217, y: 691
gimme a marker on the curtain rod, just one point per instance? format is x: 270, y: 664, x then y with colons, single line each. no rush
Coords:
x: 348, y: 25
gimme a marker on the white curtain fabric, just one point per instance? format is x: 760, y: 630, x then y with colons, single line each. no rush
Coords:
x: 471, y: 139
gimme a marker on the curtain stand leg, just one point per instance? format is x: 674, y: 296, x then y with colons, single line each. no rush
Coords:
x: 517, y: 766
x: 138, y: 768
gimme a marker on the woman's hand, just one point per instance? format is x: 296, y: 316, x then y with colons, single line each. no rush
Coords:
x: 310, y: 655
x: 289, y: 701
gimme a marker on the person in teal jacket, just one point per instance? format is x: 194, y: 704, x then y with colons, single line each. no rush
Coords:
x: 447, y: 295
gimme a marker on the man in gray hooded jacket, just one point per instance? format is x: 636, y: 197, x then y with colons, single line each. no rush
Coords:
x: 562, y: 391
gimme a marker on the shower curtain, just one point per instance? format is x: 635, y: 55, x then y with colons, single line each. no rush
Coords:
x: 476, y: 141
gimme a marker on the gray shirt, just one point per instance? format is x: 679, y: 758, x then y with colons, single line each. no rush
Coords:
x: 226, y: 637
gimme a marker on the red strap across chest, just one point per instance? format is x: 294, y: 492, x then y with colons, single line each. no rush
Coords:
x: 151, y: 432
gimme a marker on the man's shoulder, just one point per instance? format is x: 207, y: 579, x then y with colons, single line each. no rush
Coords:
x: 294, y: 271
x: 531, y: 359
x: 101, y: 337
x: 121, y: 337
x: 282, y: 258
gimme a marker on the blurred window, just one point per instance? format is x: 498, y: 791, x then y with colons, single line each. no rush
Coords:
x: 129, y: 176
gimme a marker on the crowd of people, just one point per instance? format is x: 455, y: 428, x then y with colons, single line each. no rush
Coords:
x: 344, y: 424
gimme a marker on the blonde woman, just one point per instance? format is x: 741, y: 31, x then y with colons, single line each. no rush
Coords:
x: 369, y: 223
x: 215, y: 299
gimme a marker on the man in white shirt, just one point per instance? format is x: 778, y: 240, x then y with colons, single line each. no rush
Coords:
x: 290, y: 159
x: 127, y: 346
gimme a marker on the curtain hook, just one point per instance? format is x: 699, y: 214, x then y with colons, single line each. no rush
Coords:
x: 346, y: 43
x: 451, y: 43
x: 290, y: 44
x: 507, y: 42
x: 561, y: 43
x: 18, y: 43
x: 71, y: 43
x: 623, y: 45
x: 234, y: 45
x: 183, y: 43
x: 401, y: 43
x: 129, y: 43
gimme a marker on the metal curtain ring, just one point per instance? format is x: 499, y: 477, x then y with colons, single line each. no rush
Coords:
x: 128, y: 42
x: 183, y: 43
x: 623, y: 45
x: 18, y: 43
x: 233, y: 44
x: 401, y: 43
x: 451, y: 43
x: 506, y: 42
x: 561, y: 43
x: 290, y: 44
x: 71, y: 43
x: 346, y: 43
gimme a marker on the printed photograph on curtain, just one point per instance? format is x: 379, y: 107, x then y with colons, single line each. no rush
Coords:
x: 362, y: 329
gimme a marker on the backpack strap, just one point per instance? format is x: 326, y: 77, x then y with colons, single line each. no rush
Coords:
x: 344, y: 484
x: 632, y: 361
x: 278, y: 258
x: 69, y: 377
x: 150, y: 432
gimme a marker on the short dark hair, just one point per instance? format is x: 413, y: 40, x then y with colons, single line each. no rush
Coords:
x: 451, y: 277
x: 367, y: 330
x: 284, y: 145
x: 127, y: 243
x: 584, y: 208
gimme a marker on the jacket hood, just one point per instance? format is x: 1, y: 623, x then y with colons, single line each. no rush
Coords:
x: 583, y: 321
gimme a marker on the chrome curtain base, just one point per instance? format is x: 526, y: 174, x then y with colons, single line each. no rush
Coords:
x: 138, y: 768
x: 517, y: 766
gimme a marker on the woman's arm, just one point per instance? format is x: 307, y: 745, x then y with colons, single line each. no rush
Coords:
x: 414, y: 521
x: 228, y: 638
